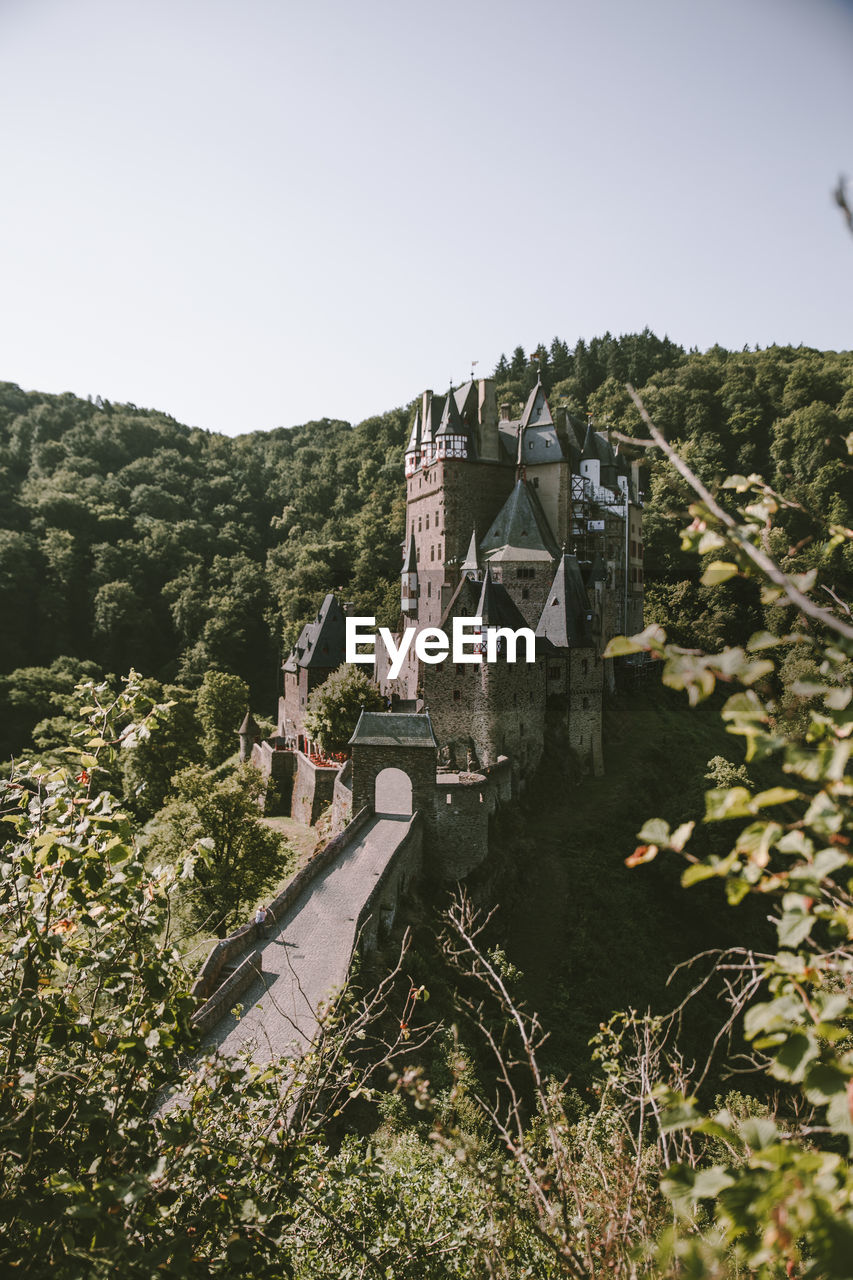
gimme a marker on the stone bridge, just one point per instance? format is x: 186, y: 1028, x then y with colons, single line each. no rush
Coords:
x: 344, y: 902
x: 404, y: 814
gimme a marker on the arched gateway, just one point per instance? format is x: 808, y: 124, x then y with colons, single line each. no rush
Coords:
x: 393, y: 762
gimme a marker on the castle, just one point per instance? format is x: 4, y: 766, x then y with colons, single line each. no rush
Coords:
x: 522, y: 522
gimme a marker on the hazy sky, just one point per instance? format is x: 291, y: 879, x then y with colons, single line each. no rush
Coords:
x: 253, y: 213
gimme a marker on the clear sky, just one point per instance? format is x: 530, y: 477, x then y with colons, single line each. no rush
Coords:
x: 257, y: 212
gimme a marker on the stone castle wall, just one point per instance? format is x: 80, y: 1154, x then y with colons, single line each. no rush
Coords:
x: 313, y: 789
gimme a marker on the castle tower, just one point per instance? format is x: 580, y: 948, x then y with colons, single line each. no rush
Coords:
x: 249, y: 733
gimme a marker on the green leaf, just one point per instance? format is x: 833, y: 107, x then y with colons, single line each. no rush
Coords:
x: 791, y: 1060
x: 718, y: 571
x: 654, y: 831
x: 708, y: 1183
x: 727, y: 802
x: 775, y: 795
x: 794, y: 928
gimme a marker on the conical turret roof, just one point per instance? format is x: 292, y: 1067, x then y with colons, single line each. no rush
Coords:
x: 589, y: 453
x: 567, y: 617
x: 249, y: 728
x: 410, y: 564
x: 415, y: 436
x: 451, y: 423
x: 472, y: 562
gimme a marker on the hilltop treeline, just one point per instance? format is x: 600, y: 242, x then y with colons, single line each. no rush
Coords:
x: 128, y: 539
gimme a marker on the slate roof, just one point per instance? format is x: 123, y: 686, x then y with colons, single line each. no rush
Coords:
x: 432, y: 419
x: 471, y: 563
x: 322, y: 642
x: 541, y: 444
x: 415, y: 437
x: 589, y: 452
x: 508, y: 436
x: 520, y: 529
x: 537, y: 412
x: 410, y: 564
x: 451, y: 423
x: 393, y: 729
x: 567, y: 617
x: 466, y: 400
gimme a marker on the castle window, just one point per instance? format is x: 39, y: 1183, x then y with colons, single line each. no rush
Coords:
x: 460, y: 669
x: 457, y: 695
x: 586, y: 704
x: 555, y: 673
x: 429, y: 589
x: 436, y: 519
x: 584, y: 666
x: 449, y: 798
x: 432, y: 553
x: 426, y: 526
x: 419, y: 524
x: 525, y: 595
x: 521, y: 727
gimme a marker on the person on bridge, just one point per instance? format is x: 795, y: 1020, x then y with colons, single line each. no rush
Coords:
x: 263, y: 919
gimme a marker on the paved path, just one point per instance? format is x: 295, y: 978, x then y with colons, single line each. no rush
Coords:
x: 307, y: 959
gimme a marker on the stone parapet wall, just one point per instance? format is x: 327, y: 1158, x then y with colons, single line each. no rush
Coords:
x: 239, y: 981
x: 379, y: 911
x: 277, y: 766
x: 313, y: 789
x: 227, y: 949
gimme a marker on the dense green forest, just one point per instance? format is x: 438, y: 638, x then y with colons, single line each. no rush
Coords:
x: 129, y: 540
x: 632, y: 1128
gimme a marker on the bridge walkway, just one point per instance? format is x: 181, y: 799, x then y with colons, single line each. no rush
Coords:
x: 307, y: 957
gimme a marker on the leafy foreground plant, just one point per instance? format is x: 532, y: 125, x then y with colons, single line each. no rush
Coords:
x: 97, y: 1172
x: 771, y: 1194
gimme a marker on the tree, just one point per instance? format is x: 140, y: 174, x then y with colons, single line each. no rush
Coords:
x: 334, y: 708
x: 235, y: 855
x: 148, y: 767
x: 221, y: 701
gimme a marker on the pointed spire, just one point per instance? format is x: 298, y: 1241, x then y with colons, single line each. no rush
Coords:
x: 410, y: 564
x: 472, y: 563
x: 249, y: 728
x: 415, y: 436
x: 451, y: 423
x: 590, y: 451
x: 427, y: 418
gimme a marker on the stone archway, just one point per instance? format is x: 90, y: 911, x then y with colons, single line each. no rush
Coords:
x: 393, y: 792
